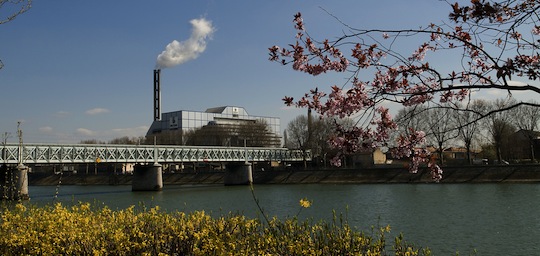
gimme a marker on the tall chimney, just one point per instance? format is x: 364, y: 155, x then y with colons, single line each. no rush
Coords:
x: 157, y: 95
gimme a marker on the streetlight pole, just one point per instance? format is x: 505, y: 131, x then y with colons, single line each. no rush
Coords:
x: 4, y: 142
x: 20, y: 134
x: 245, y: 152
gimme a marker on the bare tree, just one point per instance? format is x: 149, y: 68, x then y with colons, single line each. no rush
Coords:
x: 257, y: 134
x: 166, y: 137
x: 438, y: 123
x: 210, y: 135
x: 297, y: 135
x: 526, y: 118
x: 411, y: 119
x: 469, y: 126
x: 126, y: 140
x: 92, y: 141
x: 252, y: 133
x: 322, y: 130
x: 499, y: 125
x: 442, y: 128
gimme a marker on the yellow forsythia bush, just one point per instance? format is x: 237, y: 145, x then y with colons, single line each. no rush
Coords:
x: 84, y: 229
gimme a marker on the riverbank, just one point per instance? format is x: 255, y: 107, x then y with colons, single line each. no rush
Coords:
x: 468, y: 174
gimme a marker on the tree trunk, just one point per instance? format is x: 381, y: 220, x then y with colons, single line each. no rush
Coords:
x: 532, y: 152
x: 468, y: 148
x: 441, y: 157
x: 499, y: 155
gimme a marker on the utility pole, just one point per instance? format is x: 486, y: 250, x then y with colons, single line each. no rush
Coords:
x: 5, y: 137
x: 20, y: 135
x: 309, y: 138
x: 4, y: 167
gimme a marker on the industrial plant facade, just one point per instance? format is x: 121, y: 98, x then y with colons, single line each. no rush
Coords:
x: 178, y: 123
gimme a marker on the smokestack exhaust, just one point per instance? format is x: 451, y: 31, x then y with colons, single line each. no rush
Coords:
x: 157, y: 95
x: 176, y: 53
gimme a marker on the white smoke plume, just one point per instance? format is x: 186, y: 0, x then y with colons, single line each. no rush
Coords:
x: 177, y: 53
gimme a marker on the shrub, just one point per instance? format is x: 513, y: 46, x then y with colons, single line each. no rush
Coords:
x: 84, y: 229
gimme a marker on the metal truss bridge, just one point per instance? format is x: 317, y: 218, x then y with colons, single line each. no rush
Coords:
x: 111, y: 153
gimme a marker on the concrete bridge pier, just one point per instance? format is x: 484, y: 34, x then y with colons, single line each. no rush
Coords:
x: 14, y: 182
x: 238, y: 174
x: 147, y: 177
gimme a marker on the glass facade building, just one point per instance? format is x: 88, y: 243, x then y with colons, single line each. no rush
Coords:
x: 187, y: 120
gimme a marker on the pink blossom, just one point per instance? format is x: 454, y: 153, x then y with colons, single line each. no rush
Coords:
x: 274, y: 53
x: 462, y: 35
x: 420, y: 53
x: 461, y: 94
x: 336, y: 161
x: 447, y: 96
x: 536, y: 30
x: 398, y: 77
x: 516, y: 35
x: 435, y: 36
x: 436, y: 172
x: 299, y: 22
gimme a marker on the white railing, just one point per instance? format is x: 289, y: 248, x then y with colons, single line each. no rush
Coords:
x: 91, y: 153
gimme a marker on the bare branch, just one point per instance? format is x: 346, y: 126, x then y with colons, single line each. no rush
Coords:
x: 16, y: 7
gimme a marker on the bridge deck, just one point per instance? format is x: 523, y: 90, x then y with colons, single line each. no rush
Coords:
x: 90, y: 153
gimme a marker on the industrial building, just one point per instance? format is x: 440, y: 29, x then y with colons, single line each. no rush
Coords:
x: 180, y: 122
x: 219, y: 126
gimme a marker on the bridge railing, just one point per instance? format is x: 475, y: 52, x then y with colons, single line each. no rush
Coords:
x: 91, y: 153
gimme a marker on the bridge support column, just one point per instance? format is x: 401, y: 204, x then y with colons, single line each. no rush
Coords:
x: 147, y: 178
x: 238, y: 174
x: 14, y: 182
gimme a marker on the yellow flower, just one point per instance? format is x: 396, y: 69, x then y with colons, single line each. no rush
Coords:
x: 20, y: 207
x: 305, y: 203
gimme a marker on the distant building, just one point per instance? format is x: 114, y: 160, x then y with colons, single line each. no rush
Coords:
x: 370, y: 158
x: 456, y: 153
x: 525, y: 145
x: 173, y: 126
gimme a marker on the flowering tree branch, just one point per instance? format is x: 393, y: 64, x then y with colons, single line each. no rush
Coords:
x: 18, y: 6
x: 483, y: 46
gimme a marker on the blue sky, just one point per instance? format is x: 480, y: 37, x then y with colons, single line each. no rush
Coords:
x: 78, y: 70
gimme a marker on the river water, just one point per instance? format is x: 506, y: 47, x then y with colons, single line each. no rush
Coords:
x: 491, y: 219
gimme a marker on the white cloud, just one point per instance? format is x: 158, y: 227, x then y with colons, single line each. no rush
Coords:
x: 85, y: 132
x: 130, y: 132
x: 62, y: 114
x: 96, y: 111
x: 288, y: 108
x: 516, y: 83
x: 46, y: 129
